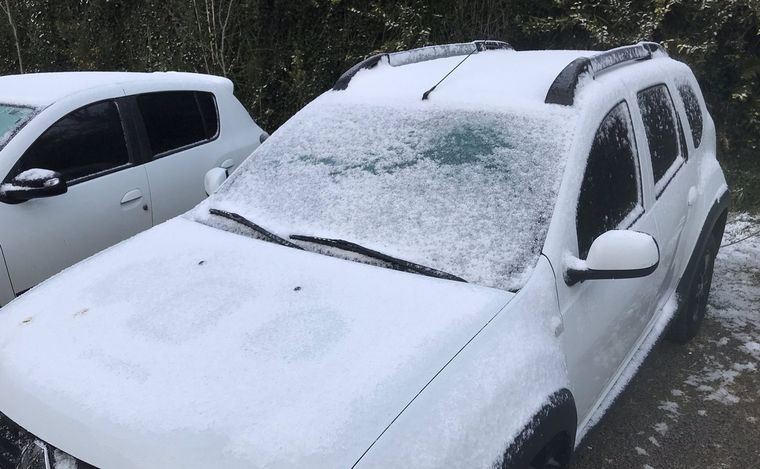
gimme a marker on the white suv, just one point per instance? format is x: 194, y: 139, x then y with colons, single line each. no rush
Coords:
x: 403, y: 275
x: 90, y: 159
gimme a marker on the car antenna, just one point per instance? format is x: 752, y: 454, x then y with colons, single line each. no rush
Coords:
x: 426, y: 94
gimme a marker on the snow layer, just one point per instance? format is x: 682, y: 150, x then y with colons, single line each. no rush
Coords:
x: 34, y: 174
x: 225, y: 351
x: 43, y: 89
x: 464, y: 191
x: 498, y: 78
x: 734, y: 304
x: 11, y: 119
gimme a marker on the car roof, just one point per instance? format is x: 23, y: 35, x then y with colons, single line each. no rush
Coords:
x: 500, y: 77
x: 44, y: 89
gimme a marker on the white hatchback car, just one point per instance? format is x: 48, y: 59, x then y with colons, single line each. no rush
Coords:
x: 403, y: 275
x: 88, y: 159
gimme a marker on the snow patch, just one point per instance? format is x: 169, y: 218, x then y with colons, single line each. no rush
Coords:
x: 661, y: 428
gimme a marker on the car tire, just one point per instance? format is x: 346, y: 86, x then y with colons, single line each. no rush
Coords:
x: 689, y: 318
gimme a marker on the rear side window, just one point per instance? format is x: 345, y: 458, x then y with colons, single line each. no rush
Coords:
x: 610, y: 194
x: 660, y: 125
x: 88, y: 141
x: 693, y: 111
x: 178, y: 119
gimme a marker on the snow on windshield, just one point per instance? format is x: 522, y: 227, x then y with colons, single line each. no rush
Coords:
x: 469, y: 192
x: 11, y: 119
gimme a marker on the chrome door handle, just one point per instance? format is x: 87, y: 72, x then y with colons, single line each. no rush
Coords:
x: 131, y: 196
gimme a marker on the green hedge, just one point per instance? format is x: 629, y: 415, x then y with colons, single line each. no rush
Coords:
x: 281, y: 54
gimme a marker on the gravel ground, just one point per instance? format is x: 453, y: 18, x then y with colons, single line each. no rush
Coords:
x: 696, y: 405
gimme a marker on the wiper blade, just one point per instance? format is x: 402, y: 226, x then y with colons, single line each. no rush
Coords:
x: 400, y: 264
x: 246, y: 222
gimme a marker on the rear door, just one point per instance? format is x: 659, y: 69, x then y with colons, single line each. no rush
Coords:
x: 181, y: 138
x: 674, y: 175
x: 108, y: 198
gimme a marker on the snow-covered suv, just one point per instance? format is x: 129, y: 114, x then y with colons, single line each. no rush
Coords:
x: 454, y: 258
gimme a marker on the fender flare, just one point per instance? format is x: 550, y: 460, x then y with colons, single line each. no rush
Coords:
x: 715, y: 219
x: 558, y: 417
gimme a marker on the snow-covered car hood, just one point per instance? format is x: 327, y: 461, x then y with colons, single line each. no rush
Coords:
x: 188, y: 346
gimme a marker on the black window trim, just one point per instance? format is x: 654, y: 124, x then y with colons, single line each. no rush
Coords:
x: 683, y: 155
x: 131, y: 154
x: 639, y: 177
x: 143, y: 132
x: 637, y: 159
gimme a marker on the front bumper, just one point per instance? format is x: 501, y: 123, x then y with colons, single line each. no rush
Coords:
x: 20, y: 449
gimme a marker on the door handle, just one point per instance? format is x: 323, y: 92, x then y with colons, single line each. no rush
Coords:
x: 227, y: 164
x: 131, y: 196
x: 692, y: 196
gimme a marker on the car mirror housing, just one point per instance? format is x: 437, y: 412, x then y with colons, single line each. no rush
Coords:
x: 33, y: 184
x: 616, y: 254
x: 213, y: 179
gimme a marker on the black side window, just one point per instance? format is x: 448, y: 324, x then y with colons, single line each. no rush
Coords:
x: 86, y: 142
x: 611, y: 189
x: 207, y: 104
x: 659, y: 116
x: 693, y: 111
x: 176, y: 119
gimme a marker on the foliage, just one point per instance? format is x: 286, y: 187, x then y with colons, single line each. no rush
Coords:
x: 281, y: 54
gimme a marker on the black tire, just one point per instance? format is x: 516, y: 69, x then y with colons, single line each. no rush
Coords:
x: 686, y: 323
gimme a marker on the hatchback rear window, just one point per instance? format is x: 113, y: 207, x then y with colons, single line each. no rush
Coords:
x: 178, y: 119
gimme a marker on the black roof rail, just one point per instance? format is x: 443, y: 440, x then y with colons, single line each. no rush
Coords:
x: 564, y: 86
x: 421, y: 54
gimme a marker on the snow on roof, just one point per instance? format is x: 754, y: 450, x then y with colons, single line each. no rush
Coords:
x: 492, y: 78
x: 43, y: 89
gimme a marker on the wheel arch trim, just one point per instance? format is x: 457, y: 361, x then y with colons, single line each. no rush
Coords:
x: 716, y: 218
x: 556, y: 417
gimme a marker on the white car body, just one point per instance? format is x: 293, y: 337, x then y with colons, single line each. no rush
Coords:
x: 201, y: 346
x: 42, y: 236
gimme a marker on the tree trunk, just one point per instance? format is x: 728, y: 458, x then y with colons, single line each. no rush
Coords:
x: 7, y: 9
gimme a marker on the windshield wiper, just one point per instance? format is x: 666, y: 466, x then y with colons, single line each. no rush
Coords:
x: 399, y: 264
x: 246, y: 222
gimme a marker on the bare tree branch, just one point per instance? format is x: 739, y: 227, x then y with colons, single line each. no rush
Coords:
x: 6, y: 8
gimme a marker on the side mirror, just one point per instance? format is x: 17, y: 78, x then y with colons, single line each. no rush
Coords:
x: 263, y: 137
x: 214, y: 178
x: 616, y: 254
x: 33, y: 184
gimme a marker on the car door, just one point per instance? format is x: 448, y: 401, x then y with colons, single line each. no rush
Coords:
x: 674, y: 175
x: 603, y: 319
x: 181, y: 130
x: 108, y: 197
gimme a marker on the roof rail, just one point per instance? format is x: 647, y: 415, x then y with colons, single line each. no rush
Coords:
x: 564, y: 86
x: 421, y: 54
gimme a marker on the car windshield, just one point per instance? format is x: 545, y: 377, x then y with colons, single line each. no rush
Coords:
x: 467, y: 192
x: 12, y: 118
